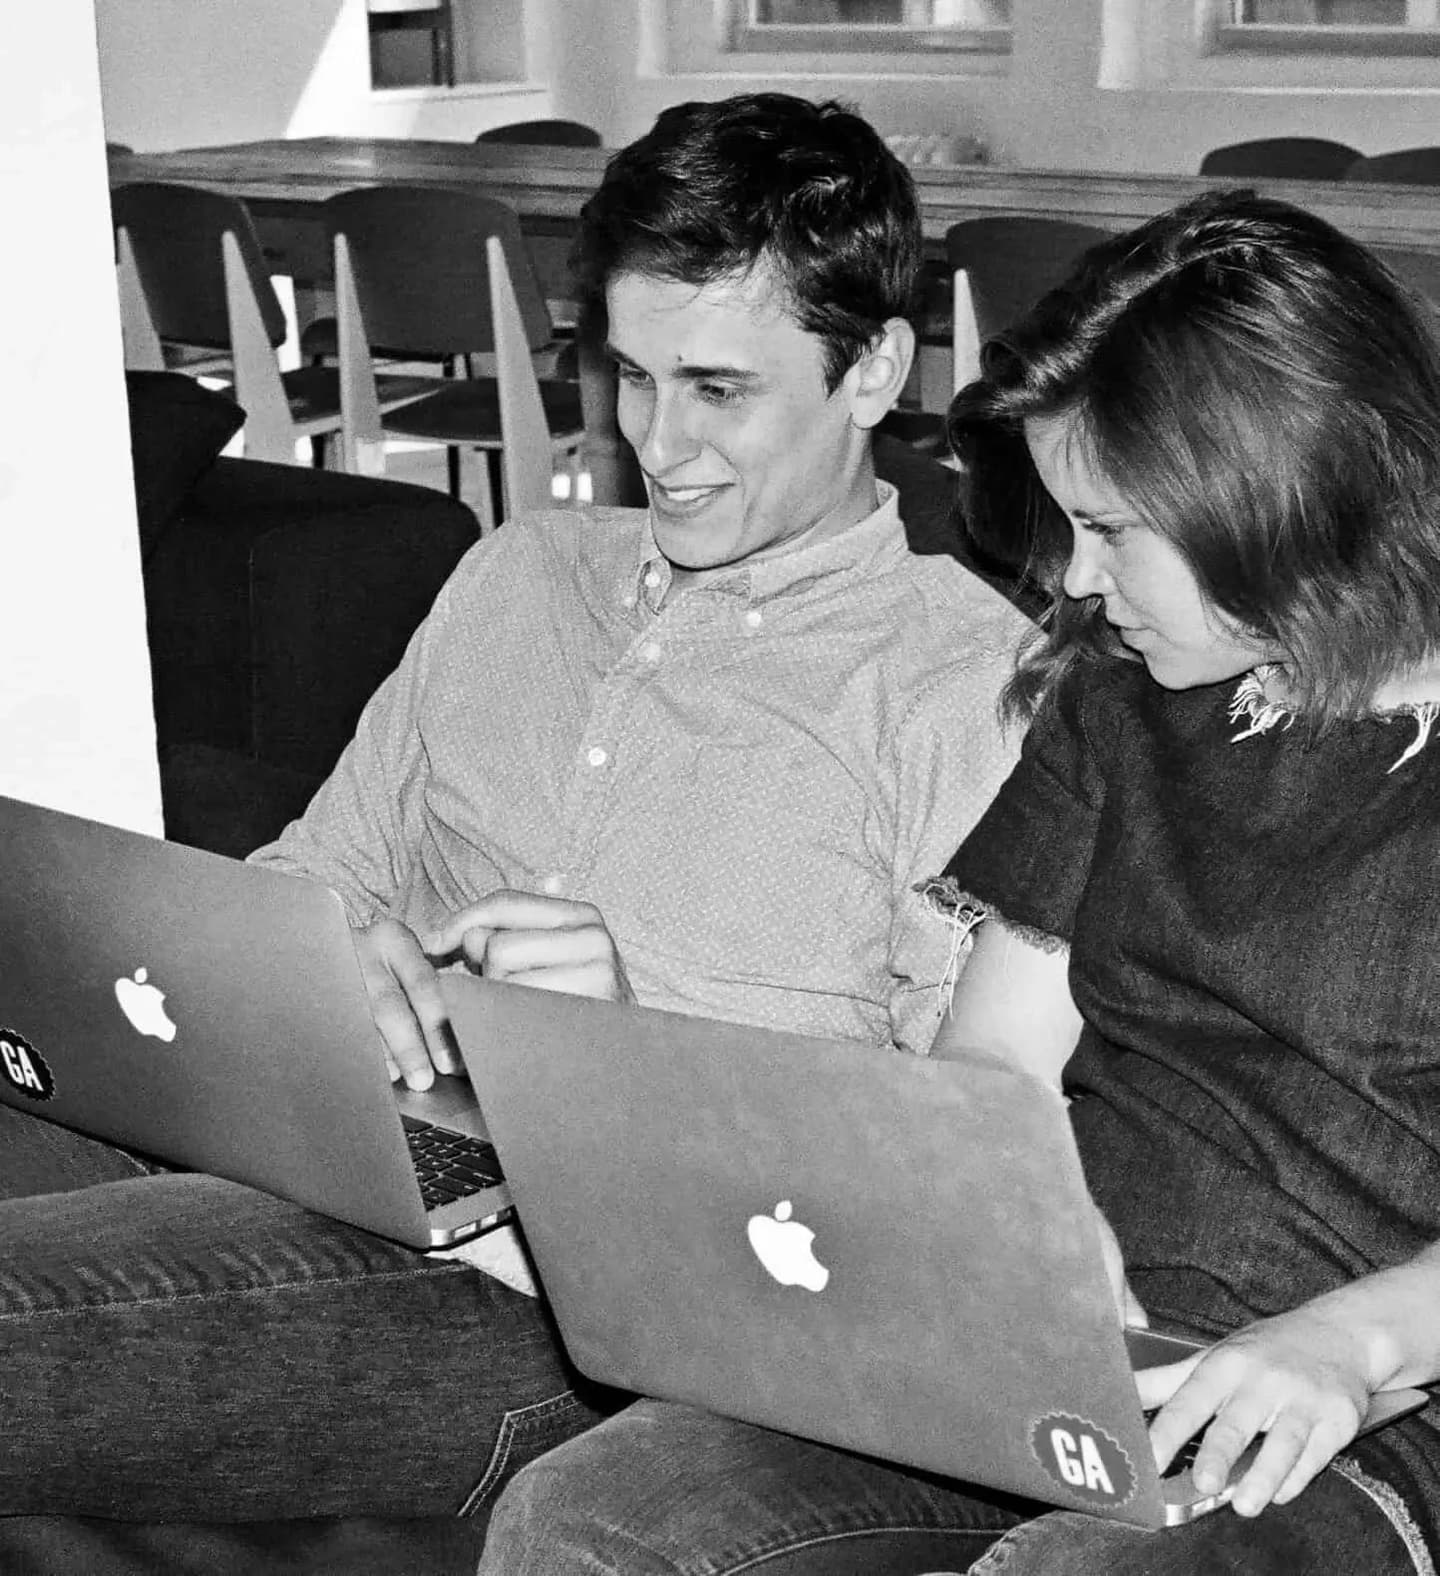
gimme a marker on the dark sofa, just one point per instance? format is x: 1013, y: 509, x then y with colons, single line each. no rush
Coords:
x: 277, y: 598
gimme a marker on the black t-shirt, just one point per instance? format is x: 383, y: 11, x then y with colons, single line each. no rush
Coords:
x: 1254, y: 931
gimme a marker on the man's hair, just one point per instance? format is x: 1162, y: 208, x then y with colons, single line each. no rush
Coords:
x: 714, y: 190
x: 1265, y: 394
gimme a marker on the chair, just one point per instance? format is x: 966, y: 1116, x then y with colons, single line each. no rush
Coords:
x: 446, y: 273
x: 1419, y: 270
x: 545, y: 133
x: 195, y: 296
x: 1403, y: 167
x: 1002, y: 266
x: 1282, y: 158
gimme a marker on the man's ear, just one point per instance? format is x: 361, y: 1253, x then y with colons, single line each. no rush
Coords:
x: 874, y: 383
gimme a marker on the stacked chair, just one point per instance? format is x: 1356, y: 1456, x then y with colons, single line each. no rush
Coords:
x: 445, y: 274
x: 544, y: 133
x: 1403, y: 167
x: 195, y: 296
x: 1282, y: 158
x: 1002, y: 265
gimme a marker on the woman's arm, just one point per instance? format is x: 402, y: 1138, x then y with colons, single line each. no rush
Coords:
x: 1303, y: 1378
x: 1013, y: 1000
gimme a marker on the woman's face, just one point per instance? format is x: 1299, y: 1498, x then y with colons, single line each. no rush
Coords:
x: 1150, y: 595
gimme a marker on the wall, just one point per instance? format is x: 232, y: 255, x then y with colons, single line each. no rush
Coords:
x: 1045, y: 108
x: 75, y: 713
x: 182, y: 72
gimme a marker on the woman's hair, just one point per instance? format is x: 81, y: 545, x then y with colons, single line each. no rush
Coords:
x: 1265, y: 395
x: 714, y: 190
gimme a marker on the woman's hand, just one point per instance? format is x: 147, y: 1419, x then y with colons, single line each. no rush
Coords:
x: 1299, y: 1378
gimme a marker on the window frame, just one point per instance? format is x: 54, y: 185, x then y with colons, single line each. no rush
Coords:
x: 739, y: 34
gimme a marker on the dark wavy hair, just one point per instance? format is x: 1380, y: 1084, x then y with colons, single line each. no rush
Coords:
x: 713, y: 189
x: 1265, y: 394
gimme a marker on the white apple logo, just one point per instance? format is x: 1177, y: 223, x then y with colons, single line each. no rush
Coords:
x: 783, y: 1246
x: 144, y: 1006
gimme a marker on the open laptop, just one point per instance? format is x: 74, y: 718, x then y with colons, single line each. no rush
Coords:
x: 211, y: 1014
x: 889, y: 1254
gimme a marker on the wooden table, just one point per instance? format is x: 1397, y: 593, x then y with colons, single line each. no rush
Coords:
x: 547, y: 187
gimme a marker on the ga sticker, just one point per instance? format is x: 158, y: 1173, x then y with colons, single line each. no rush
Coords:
x: 1083, y: 1459
x: 24, y: 1066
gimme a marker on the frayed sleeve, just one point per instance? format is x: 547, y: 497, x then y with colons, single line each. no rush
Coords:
x: 1028, y: 858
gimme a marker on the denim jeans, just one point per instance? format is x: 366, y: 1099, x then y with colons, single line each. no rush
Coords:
x: 665, y: 1490
x: 176, y: 1347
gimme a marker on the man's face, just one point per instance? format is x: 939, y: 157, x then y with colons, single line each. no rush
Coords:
x: 722, y: 396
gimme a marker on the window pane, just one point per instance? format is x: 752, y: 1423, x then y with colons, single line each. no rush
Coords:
x: 1336, y: 13
x: 880, y: 13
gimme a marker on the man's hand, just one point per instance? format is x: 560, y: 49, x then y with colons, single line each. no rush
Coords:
x: 406, y: 1004
x: 529, y: 939
x: 1298, y: 1378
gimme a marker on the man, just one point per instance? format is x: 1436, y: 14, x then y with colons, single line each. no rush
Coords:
x: 695, y: 756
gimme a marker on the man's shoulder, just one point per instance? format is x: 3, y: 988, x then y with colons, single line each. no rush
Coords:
x: 949, y: 606
x: 555, y: 543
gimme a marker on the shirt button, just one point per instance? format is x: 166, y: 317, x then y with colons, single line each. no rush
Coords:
x: 754, y: 618
x: 652, y: 578
x: 597, y: 756
x: 553, y: 885
x: 650, y: 651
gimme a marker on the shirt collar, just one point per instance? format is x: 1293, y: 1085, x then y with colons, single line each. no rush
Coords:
x: 857, y: 550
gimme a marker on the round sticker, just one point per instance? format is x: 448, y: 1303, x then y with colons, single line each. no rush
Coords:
x: 23, y: 1067
x: 1083, y: 1459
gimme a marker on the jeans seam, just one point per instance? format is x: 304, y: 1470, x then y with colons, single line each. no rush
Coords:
x: 115, y: 1305
x: 888, y: 1529
x: 510, y: 1426
x: 1392, y: 1506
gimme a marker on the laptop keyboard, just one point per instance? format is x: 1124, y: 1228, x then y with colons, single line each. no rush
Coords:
x: 450, y: 1165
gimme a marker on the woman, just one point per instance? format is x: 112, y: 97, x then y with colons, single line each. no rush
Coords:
x: 1201, y: 902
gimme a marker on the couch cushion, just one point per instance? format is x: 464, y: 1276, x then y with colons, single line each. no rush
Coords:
x: 177, y: 427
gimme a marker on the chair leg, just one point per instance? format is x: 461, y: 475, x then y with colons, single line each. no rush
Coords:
x: 485, y: 497
x: 319, y: 445
x: 494, y: 484
x: 452, y: 470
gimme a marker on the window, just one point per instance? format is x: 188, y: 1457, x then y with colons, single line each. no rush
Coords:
x: 1362, y: 27
x: 867, y: 26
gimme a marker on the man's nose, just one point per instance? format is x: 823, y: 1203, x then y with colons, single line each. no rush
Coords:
x: 669, y: 436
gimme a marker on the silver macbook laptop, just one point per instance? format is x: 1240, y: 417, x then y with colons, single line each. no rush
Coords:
x: 889, y: 1254
x: 212, y: 1014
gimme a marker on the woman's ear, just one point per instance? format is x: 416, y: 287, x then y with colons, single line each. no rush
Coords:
x: 874, y: 383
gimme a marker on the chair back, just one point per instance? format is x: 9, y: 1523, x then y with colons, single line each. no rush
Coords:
x: 419, y: 261
x: 1404, y: 167
x: 1282, y: 158
x: 544, y: 133
x: 1003, y: 264
x: 527, y: 458
x: 172, y: 235
x: 1419, y: 270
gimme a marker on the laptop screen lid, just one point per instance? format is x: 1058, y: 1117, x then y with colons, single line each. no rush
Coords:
x: 198, y: 1009
x: 951, y: 1312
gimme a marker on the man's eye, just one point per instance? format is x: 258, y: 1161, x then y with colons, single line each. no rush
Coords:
x: 631, y: 375
x: 719, y: 393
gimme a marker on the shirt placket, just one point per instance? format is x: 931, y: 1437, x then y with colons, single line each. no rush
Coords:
x: 598, y: 773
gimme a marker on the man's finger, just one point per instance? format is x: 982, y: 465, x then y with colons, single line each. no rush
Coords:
x: 508, y: 909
